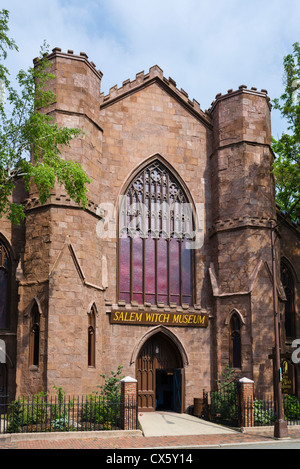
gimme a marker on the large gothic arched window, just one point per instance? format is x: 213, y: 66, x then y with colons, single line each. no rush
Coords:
x: 4, y: 272
x: 156, y: 233
x: 288, y: 285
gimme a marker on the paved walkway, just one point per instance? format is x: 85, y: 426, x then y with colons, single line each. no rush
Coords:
x: 155, y: 424
x: 161, y: 431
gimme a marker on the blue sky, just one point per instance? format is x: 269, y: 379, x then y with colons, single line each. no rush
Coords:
x: 206, y: 46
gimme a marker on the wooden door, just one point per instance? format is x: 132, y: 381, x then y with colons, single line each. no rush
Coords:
x: 158, y: 353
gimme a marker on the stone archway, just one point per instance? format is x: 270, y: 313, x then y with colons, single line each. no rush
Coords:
x: 159, y: 371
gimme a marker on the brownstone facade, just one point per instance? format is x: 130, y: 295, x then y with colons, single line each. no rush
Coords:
x: 65, y: 262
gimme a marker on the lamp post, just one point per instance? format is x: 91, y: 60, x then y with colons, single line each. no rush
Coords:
x: 280, y: 426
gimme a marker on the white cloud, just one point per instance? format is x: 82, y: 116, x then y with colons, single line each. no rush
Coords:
x: 207, y: 47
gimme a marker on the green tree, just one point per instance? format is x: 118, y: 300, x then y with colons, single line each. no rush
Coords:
x: 287, y: 147
x: 30, y: 141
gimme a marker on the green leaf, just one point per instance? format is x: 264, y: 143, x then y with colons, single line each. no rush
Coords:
x: 286, y: 167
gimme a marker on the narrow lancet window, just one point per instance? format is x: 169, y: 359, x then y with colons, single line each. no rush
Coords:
x: 235, y: 342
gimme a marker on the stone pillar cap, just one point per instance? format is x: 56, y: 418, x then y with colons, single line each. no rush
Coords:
x: 128, y: 379
x: 246, y: 381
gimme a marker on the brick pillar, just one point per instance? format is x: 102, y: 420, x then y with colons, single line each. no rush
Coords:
x: 129, y: 403
x: 246, y: 397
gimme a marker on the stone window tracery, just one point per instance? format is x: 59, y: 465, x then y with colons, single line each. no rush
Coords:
x: 155, y: 234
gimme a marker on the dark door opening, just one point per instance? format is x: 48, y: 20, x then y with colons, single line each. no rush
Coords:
x: 164, y: 389
x: 169, y: 390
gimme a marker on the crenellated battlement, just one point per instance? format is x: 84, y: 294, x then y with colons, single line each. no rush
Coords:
x: 83, y: 57
x: 143, y: 79
x: 242, y: 89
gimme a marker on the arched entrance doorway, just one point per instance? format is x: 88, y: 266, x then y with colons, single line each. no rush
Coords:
x: 159, y: 371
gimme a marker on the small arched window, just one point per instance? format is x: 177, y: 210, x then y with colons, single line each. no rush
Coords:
x: 34, y: 346
x: 4, y: 285
x: 235, y: 342
x: 288, y: 285
x: 155, y: 233
x: 92, y: 338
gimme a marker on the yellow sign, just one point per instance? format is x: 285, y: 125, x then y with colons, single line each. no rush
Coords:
x: 288, y: 378
x: 153, y: 318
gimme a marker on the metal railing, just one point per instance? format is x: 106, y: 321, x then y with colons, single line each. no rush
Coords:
x: 224, y: 407
x: 262, y: 412
x: 67, y: 414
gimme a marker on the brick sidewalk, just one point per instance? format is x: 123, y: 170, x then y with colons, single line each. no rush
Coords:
x: 134, y: 442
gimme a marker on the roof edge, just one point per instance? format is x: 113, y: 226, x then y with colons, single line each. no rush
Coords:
x: 142, y: 80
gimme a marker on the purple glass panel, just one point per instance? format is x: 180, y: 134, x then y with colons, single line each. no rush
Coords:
x: 150, y: 299
x: 124, y: 247
x: 3, y: 298
x: 174, y: 267
x: 125, y: 297
x: 150, y: 268
x: 175, y: 299
x: 187, y: 300
x: 137, y: 269
x: 162, y: 299
x: 138, y: 297
x: 186, y: 273
x: 162, y: 270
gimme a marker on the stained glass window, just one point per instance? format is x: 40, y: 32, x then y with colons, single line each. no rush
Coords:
x: 155, y: 232
x: 3, y: 286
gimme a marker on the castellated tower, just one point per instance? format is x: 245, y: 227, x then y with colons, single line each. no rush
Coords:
x: 242, y: 209
x: 61, y: 242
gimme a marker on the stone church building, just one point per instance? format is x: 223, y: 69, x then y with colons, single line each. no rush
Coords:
x: 168, y: 271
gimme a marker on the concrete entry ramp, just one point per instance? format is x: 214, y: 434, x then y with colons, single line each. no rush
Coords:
x: 171, y: 424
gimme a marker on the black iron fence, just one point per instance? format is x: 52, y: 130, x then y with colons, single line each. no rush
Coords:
x: 224, y: 407
x: 264, y: 410
x: 76, y: 414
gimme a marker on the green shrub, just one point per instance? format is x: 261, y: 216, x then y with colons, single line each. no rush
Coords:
x: 27, y: 411
x: 103, y: 407
x: 291, y: 407
x: 110, y: 390
x: 224, y: 401
x: 262, y: 416
x: 97, y: 411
